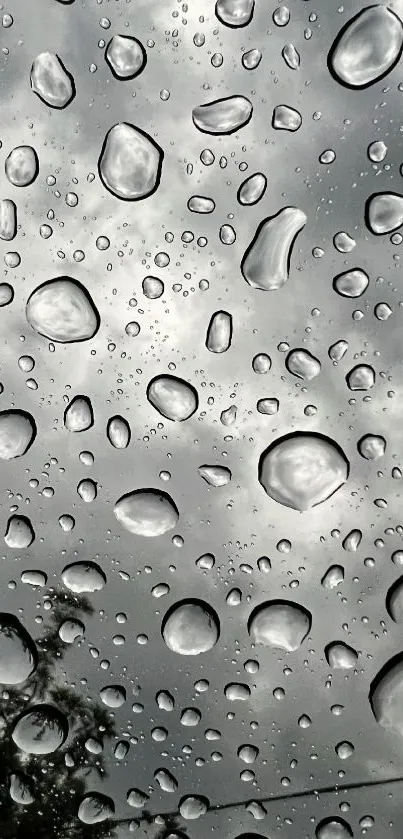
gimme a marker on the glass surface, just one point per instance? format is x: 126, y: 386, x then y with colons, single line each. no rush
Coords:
x: 200, y: 420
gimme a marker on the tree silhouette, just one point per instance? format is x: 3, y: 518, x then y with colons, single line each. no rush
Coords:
x: 56, y: 782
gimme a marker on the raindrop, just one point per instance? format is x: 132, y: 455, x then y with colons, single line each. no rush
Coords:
x: 343, y: 242
x: 22, y: 166
x: 8, y: 219
x: 190, y: 627
x: 286, y: 118
x: 248, y: 753
x: 344, y: 750
x: 165, y: 701
x: 384, y: 212
x: 235, y: 13
x: 152, y: 288
x: 352, y: 541
x: 338, y: 350
x: 87, y: 490
x: 173, y: 398
x: 223, y: 116
x: 63, y: 311
x: 266, y: 262
x: 302, y: 470
x: 291, y: 56
x: 17, y: 433
x: 237, y: 692
x: 385, y: 696
x: 193, y: 806
x: 95, y: 807
x: 251, y: 59
x: 219, y: 332
x: 215, y: 476
x: 340, y: 656
x: 377, y: 151
x: 333, y: 577
x: 303, y: 364
x: 261, y: 363
x: 20, y: 533
x: 394, y: 601
x: 6, y: 294
x: 126, y: 56
x: 21, y: 789
x: 114, y: 696
x: 252, y: 190
x: 70, y: 630
x: 281, y: 16
x: 371, y: 446
x: 361, y: 377
x: 351, y: 283
x: 146, y: 512
x: 333, y: 828
x: 18, y: 654
x: 201, y: 204
x: 268, y: 406
x: 165, y: 780
x: 279, y: 624
x: 118, y: 432
x: 130, y: 163
x: 83, y: 577
x: 78, y: 415
x: 51, y: 81
x: 34, y: 578
x: 367, y: 47
x: 40, y: 730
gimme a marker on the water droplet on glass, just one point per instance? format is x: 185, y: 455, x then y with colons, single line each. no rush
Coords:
x: 152, y: 287
x: 385, y: 696
x: 219, y: 332
x: 372, y: 446
x: 83, y: 577
x: 173, y: 398
x: 18, y: 654
x: 384, y: 212
x: 268, y: 406
x: 377, y: 151
x: 95, y: 807
x: 279, y: 624
x: 215, y: 476
x: 394, y: 600
x: 40, y: 730
x: 248, y: 753
x: 343, y: 242
x: 20, y: 533
x: 17, y: 433
x: 114, y: 696
x: 303, y: 364
x: 22, y: 166
x: 333, y: 828
x: 235, y: 13
x: 351, y: 283
x: 8, y: 219
x: 223, y: 116
x: 190, y: 627
x: 291, y: 56
x: 367, y: 47
x: 251, y: 59
x: 340, y: 656
x: 21, y: 789
x: 281, y: 15
x: 286, y: 118
x: 338, y: 350
x: 302, y: 470
x: 146, y: 512
x: 126, y: 56
x: 130, y: 162
x: 78, y: 415
x: 333, y: 577
x: 266, y: 262
x: 361, y: 377
x: 193, y: 806
x: 87, y: 490
x: 70, y: 630
x: 118, y: 432
x: 201, y: 204
x: 63, y: 311
x: 51, y: 81
x: 352, y: 541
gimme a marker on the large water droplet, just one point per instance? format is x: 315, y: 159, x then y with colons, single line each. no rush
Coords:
x: 386, y: 695
x: 394, y: 601
x: 130, y: 163
x: 21, y: 789
x: 114, y: 696
x: 352, y: 541
x: 51, y: 81
x: 302, y: 470
x: 361, y: 377
x: 174, y: 398
x: 22, y: 166
x: 333, y: 577
x: 83, y: 577
x: 384, y: 212
x: 223, y: 116
x: 63, y: 311
x: 252, y: 190
x: 333, y: 828
x: 18, y: 655
x: 146, y: 512
x: 118, y: 432
x: 201, y: 204
x: 303, y: 364
x: 40, y: 730
x: 351, y: 283
x: 8, y: 219
x: 371, y: 446
x: 190, y: 627
x: 280, y: 624
x: 17, y: 433
x: 235, y: 13
x: 95, y: 807
x: 165, y: 780
x: 219, y: 332
x: 126, y: 56
x: 193, y: 806
x: 367, y: 47
x: 266, y: 262
x: 78, y: 415
x: 286, y: 118
x: 340, y: 656
x: 251, y: 59
x: 70, y: 630
x: 19, y: 534
x: 215, y: 476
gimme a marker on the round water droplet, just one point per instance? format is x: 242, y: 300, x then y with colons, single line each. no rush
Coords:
x: 174, y: 398
x: 146, y: 512
x: 361, y: 377
x: 372, y: 446
x: 344, y: 750
x: 63, y: 311
x: 51, y: 81
x: 130, y: 163
x: 95, y: 807
x: 248, y: 753
x: 377, y: 151
x: 261, y: 363
x: 201, y: 204
x: 193, y: 806
x: 83, y: 577
x: 40, y: 730
x: 333, y: 828
x: 126, y: 56
x: 385, y: 696
x: 237, y: 692
x: 20, y: 533
x: 114, y: 696
x: 302, y: 470
x: 118, y: 432
x: 18, y: 654
x: 235, y: 13
x: 6, y: 294
x: 340, y: 656
x: 152, y: 287
x: 87, y: 490
x: 266, y: 261
x: 286, y: 118
x: 70, y: 630
x: 17, y: 433
x: 22, y: 166
x: 303, y: 364
x: 223, y: 116
x: 279, y: 624
x: 190, y: 627
x: 78, y: 415
x: 384, y: 212
x: 367, y: 47
x: 351, y: 283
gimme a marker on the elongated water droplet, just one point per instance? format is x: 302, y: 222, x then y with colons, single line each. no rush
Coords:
x: 17, y: 433
x: 8, y: 219
x: 286, y: 118
x: 333, y: 577
x: 384, y: 212
x: 63, y: 311
x: 251, y: 59
x: 352, y: 541
x: 95, y: 807
x: 19, y: 534
x: 291, y: 56
x: 174, y: 398
x: 252, y: 190
x: 340, y: 656
x: 40, y: 730
x: 386, y: 694
x: 351, y: 283
x: 235, y: 13
x: 190, y: 627
x: 223, y: 116
x: 22, y: 166
x: 219, y: 332
x: 18, y: 654
x: 21, y: 789
x: 78, y: 415
x: 394, y: 601
x: 280, y: 624
x: 165, y: 780
x: 367, y: 47
x: 266, y: 262
x: 146, y: 512
x: 51, y: 81
x: 83, y: 577
x: 303, y: 364
x: 302, y: 470
x: 118, y: 432
x: 201, y: 204
x: 343, y: 242
x: 338, y: 350
x: 130, y: 162
x: 126, y: 56
x: 237, y: 692
x: 215, y: 476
